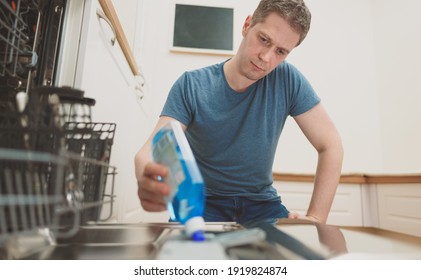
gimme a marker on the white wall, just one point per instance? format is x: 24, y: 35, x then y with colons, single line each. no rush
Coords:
x: 398, y: 68
x: 338, y: 59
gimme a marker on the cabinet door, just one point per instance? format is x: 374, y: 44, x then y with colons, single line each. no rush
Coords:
x: 400, y: 208
x: 104, y: 74
x: 346, y: 208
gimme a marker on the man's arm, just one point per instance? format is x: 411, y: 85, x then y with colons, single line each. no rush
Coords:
x: 322, y: 134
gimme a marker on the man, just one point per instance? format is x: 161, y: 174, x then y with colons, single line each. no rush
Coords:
x: 233, y: 114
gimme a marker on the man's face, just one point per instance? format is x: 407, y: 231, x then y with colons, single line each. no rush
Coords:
x: 265, y: 45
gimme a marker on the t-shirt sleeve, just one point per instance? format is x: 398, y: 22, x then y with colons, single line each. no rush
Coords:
x: 178, y: 104
x: 302, y: 95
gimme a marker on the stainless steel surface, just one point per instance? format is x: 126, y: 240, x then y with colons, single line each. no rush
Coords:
x: 135, y: 241
x: 354, y: 242
x: 145, y: 240
x: 88, y: 252
x: 101, y: 242
x: 111, y: 235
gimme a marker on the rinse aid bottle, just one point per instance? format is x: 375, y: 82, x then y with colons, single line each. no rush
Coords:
x: 186, y: 200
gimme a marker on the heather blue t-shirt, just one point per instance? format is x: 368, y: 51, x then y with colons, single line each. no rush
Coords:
x: 234, y: 135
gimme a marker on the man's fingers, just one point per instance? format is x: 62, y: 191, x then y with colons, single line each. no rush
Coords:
x: 293, y: 215
x: 151, y: 201
x: 151, y: 191
x: 151, y: 196
x: 153, y: 186
x: 154, y: 170
x: 152, y: 206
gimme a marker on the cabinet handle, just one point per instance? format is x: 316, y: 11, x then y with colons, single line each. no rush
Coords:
x: 108, y: 8
x: 100, y: 14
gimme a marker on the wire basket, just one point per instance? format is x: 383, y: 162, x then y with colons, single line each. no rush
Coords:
x: 91, y: 141
x: 56, y: 120
x: 39, y: 123
x: 31, y: 195
x: 42, y: 198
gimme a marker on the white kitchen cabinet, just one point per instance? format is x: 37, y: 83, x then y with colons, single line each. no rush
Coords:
x: 346, y: 209
x: 389, y: 202
x: 400, y: 208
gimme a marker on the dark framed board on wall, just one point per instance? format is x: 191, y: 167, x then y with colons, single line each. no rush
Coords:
x: 202, y: 29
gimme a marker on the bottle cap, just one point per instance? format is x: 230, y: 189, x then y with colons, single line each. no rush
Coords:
x: 198, y: 236
x: 194, y: 228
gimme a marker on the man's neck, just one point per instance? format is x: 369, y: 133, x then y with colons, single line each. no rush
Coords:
x: 235, y: 80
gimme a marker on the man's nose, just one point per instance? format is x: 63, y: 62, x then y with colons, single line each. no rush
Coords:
x: 265, y: 54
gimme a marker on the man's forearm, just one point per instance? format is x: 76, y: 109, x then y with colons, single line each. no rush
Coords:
x: 325, y: 183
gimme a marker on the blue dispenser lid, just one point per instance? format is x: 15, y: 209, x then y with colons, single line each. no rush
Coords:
x: 198, y: 236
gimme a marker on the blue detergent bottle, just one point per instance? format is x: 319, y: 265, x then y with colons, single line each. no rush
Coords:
x: 186, y: 200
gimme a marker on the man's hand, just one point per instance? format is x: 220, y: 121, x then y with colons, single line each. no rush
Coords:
x: 302, y: 217
x: 151, y: 190
x: 150, y: 187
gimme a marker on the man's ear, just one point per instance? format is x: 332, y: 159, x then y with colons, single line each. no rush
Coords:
x: 246, y: 24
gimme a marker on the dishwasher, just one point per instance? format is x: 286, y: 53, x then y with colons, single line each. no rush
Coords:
x: 55, y: 172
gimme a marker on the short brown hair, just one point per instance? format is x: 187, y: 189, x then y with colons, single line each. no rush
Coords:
x: 295, y: 12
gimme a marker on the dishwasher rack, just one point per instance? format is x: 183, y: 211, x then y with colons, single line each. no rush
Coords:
x: 41, y: 199
x: 30, y: 194
x: 54, y: 168
x: 15, y: 36
x: 30, y: 39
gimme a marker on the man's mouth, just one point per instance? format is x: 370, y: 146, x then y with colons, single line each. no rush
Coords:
x: 257, y: 67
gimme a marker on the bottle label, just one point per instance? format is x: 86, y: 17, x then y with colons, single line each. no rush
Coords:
x: 165, y: 152
x: 171, y: 148
x: 184, y: 209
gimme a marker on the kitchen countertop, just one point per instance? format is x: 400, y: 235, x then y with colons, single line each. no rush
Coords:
x: 354, y: 178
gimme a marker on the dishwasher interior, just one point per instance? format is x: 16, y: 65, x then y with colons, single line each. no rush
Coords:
x: 30, y: 34
x: 55, y: 172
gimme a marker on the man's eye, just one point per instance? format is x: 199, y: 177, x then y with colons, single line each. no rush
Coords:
x: 280, y: 52
x: 264, y: 40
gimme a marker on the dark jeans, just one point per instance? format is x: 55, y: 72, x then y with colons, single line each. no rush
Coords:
x: 241, y: 210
